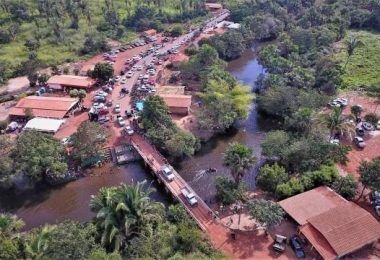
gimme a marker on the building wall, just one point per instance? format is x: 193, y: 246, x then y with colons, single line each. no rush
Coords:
x: 55, y: 86
x: 179, y: 110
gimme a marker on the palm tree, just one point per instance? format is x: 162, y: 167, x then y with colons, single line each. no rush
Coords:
x: 352, y: 44
x: 336, y: 122
x: 239, y: 158
x: 37, y: 244
x: 123, y: 212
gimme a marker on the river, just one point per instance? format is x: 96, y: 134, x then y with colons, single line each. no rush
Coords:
x: 70, y: 201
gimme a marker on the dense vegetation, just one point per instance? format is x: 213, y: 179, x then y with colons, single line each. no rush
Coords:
x: 58, y: 31
x: 162, y: 131
x: 128, y: 225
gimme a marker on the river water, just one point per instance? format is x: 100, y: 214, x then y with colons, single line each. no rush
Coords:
x: 70, y: 201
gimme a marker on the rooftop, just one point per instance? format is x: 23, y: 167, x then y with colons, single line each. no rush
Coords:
x: 301, y: 209
x: 44, y: 124
x: 150, y: 32
x: 52, y: 107
x: 71, y: 80
x: 177, y: 100
x: 214, y: 5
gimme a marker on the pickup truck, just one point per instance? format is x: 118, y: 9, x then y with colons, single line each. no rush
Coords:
x: 190, y: 197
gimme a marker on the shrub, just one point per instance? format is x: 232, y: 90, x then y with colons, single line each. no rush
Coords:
x: 270, y: 176
x: 346, y: 186
x: 371, y: 118
x: 292, y: 187
x: 3, y: 124
x: 227, y: 191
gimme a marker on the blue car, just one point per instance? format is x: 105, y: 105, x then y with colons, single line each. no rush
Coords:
x: 296, y: 245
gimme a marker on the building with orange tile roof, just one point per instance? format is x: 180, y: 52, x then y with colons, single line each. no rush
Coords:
x: 333, y: 226
x: 64, y: 82
x: 213, y: 7
x: 46, y: 107
x: 178, y: 104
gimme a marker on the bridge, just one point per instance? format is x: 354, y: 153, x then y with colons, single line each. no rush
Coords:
x: 201, y: 212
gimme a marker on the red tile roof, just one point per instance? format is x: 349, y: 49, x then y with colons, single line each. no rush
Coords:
x: 177, y: 100
x: 301, y: 209
x: 318, y: 241
x: 51, y: 107
x: 214, y: 5
x: 347, y: 228
x: 71, y: 81
x: 150, y: 32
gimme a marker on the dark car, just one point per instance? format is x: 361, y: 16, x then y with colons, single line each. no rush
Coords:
x: 296, y: 245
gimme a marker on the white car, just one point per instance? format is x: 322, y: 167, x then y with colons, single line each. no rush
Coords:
x: 117, y: 108
x: 134, y: 68
x: 167, y: 172
x: 98, y: 105
x: 190, y: 197
x: 117, y: 78
x: 121, y: 121
x: 101, y: 93
x: 139, y: 67
x: 129, y: 130
x: 129, y: 74
x: 123, y: 81
x: 378, y: 125
x: 141, y: 76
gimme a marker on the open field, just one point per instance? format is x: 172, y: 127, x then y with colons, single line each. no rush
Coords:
x: 363, y: 68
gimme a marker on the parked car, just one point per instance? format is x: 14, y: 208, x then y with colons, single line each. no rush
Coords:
x: 359, y: 142
x: 117, y: 108
x: 167, y: 172
x: 334, y: 141
x: 129, y: 130
x: 279, y: 244
x: 99, y: 99
x: 375, y: 198
x: 109, y: 103
x: 129, y: 74
x: 190, y: 197
x: 117, y: 78
x: 360, y: 131
x: 296, y: 245
x: 104, y: 111
x: 103, y: 119
x: 67, y: 141
x: 121, y: 121
x: 123, y: 81
x: 367, y: 126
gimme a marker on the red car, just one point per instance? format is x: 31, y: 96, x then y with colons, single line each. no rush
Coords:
x: 104, y: 111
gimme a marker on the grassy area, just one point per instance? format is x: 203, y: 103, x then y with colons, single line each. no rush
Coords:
x: 363, y: 68
x: 53, y: 53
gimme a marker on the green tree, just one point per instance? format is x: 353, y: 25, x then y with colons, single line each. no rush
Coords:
x: 275, y: 144
x: 88, y: 141
x: 182, y: 143
x: 103, y: 71
x: 346, y: 186
x: 372, y: 118
x: 267, y: 213
x: 369, y: 175
x: 356, y: 111
x: 239, y: 158
x: 123, y: 212
x: 270, y: 176
x: 71, y: 240
x: 227, y: 191
x: 38, y: 155
x: 176, y: 31
x: 352, y: 44
x: 81, y: 95
x: 38, y: 242
x: 73, y: 93
x: 101, y: 254
x: 10, y: 242
x: 336, y: 122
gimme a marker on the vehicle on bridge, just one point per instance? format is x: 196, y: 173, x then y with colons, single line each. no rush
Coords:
x: 190, y: 197
x: 167, y: 172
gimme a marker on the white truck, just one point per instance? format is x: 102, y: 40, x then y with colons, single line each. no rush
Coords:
x: 190, y: 197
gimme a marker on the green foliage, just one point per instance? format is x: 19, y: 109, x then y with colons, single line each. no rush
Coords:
x: 292, y: 187
x: 176, y: 31
x: 270, y: 176
x: 267, y: 213
x: 229, y: 45
x: 162, y: 131
x: 73, y: 93
x: 10, y: 243
x: 356, y: 110
x: 101, y: 254
x: 38, y: 156
x: 227, y: 191
x: 346, y: 186
x: 88, y: 141
x: 369, y: 174
x: 124, y: 212
x: 239, y: 158
x: 372, y: 118
x: 275, y: 143
x: 102, y: 71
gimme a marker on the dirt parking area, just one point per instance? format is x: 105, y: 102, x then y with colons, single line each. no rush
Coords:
x: 372, y: 138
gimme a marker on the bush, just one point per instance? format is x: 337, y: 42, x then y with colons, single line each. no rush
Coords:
x: 191, y: 51
x: 3, y: 124
x: 325, y: 176
x: 227, y: 191
x: 371, y: 118
x: 346, y: 186
x: 176, y: 31
x: 270, y: 176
